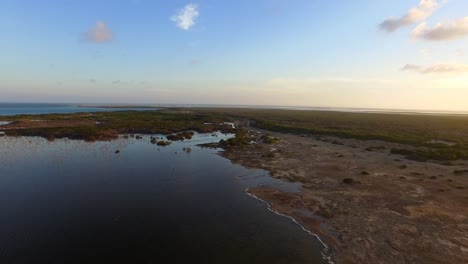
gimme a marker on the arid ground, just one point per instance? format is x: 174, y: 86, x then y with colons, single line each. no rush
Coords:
x: 369, y: 205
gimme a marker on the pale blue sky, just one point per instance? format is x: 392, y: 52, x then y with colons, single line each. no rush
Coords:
x: 267, y: 52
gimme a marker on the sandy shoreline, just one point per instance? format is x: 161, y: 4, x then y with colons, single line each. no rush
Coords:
x: 394, y: 211
x: 326, y: 250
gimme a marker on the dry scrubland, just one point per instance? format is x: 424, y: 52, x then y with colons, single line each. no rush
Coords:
x: 427, y: 137
x: 378, y: 188
x: 382, y: 188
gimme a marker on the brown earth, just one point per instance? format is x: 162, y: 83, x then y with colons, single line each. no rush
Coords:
x: 392, y: 211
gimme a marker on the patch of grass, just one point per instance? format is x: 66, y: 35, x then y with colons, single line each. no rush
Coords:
x: 268, y: 139
x: 164, y: 143
x: 424, y: 155
x: 407, y: 129
x: 269, y: 155
x: 460, y: 172
x: 242, y: 138
x: 180, y: 136
x: 372, y: 148
x: 108, y: 125
x: 335, y: 142
x: 348, y: 180
x: 325, y: 212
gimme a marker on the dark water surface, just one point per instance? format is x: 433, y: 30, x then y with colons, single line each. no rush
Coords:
x: 8, y: 109
x: 77, y: 202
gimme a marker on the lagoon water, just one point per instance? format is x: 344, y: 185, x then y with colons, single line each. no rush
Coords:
x: 79, y: 202
x: 8, y: 109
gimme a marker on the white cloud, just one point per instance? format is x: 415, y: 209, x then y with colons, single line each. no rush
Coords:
x: 451, y: 68
x: 414, y: 15
x: 99, y: 33
x: 195, y: 62
x: 425, y: 52
x: 185, y: 18
x: 448, y: 30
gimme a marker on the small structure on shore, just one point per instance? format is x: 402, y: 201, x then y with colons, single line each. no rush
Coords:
x: 2, y: 134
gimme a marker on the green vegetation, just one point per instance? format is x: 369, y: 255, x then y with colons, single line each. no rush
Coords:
x: 460, y: 172
x: 437, y: 154
x: 420, y: 132
x: 163, y: 143
x: 181, y: 136
x: 109, y: 125
x: 348, y: 180
x: 268, y: 155
x: 241, y: 139
x: 325, y: 212
x: 372, y: 148
x: 268, y: 139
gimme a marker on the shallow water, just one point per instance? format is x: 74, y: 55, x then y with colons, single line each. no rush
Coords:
x: 77, y: 202
x: 9, y: 109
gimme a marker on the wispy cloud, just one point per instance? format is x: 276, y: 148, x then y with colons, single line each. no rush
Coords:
x: 195, y: 62
x: 425, y: 52
x: 99, y: 33
x: 185, y: 18
x: 414, y: 15
x: 452, y: 68
x: 448, y: 30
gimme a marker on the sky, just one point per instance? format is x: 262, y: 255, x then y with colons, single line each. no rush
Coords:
x: 397, y: 54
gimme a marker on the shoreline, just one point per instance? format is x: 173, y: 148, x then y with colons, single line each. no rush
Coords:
x: 400, y: 205
x: 323, y: 252
x: 362, y: 194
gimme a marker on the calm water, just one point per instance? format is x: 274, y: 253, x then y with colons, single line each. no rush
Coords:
x: 34, y: 109
x: 77, y: 202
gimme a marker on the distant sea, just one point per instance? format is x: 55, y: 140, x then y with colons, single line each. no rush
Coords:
x: 46, y: 108
x: 7, y: 109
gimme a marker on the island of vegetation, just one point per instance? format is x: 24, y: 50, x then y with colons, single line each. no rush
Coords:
x: 376, y: 187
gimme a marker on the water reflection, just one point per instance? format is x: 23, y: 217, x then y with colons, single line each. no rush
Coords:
x: 78, y: 202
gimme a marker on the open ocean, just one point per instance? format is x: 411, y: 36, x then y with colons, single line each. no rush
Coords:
x: 51, y: 108
x: 44, y: 108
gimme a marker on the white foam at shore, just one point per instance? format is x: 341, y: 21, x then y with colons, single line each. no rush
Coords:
x: 323, y: 252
